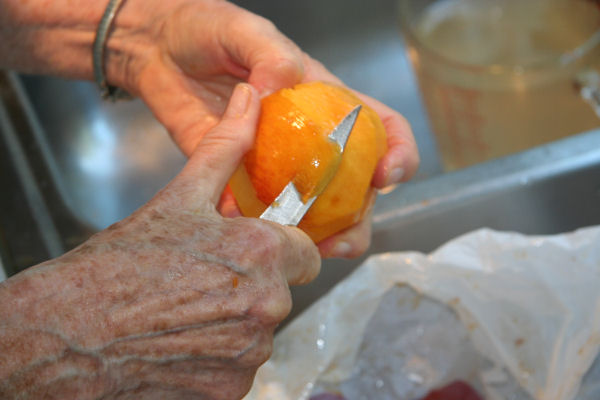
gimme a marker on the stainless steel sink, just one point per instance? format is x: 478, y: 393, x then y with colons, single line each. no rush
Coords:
x: 70, y: 164
x: 551, y: 189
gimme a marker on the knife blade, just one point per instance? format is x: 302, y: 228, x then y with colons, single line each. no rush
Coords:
x: 288, y: 207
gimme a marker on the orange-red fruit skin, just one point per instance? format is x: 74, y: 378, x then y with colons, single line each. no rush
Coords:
x: 291, y: 144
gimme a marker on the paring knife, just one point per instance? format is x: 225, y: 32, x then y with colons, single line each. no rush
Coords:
x: 288, y: 208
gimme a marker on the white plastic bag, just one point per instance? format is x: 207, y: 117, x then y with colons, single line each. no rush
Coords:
x: 529, y: 306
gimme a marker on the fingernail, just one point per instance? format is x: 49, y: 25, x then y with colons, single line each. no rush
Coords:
x: 395, y: 176
x: 341, y: 249
x: 387, y: 189
x: 240, y: 100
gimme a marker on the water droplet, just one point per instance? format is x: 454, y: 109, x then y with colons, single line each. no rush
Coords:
x: 320, y: 344
x: 416, y: 378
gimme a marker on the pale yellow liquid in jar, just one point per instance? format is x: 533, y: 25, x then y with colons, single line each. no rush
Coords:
x: 495, y: 77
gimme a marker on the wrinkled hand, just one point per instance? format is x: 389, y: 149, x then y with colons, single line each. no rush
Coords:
x: 174, y: 302
x: 201, y: 49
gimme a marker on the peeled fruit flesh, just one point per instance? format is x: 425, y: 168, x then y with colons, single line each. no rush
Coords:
x: 292, y: 144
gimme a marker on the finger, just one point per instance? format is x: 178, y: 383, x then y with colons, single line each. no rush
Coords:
x: 316, y: 71
x: 272, y: 59
x: 303, y: 262
x: 185, y: 107
x: 218, y: 154
x: 227, y: 204
x: 275, y: 249
x: 351, y: 242
x: 401, y: 160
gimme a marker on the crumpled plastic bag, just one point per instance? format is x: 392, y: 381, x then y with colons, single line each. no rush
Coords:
x: 529, y: 322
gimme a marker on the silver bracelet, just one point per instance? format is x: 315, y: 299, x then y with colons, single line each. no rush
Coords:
x: 108, y: 92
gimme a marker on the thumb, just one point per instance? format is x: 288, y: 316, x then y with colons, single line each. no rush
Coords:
x: 270, y: 74
x: 218, y: 154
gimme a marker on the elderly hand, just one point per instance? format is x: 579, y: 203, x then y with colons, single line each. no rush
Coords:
x: 183, y: 58
x: 174, y: 302
x: 201, y: 48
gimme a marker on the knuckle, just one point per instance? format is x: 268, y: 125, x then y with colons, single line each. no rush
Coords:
x: 264, y: 24
x: 258, y: 350
x: 258, y: 23
x: 236, y: 389
x: 287, y: 65
x: 267, y: 243
x: 305, y: 261
x: 243, y: 21
x: 243, y: 384
x: 221, y: 137
x: 275, y: 309
x: 232, y: 385
x: 276, y: 306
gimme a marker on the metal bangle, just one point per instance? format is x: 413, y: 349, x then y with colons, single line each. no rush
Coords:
x: 107, y: 91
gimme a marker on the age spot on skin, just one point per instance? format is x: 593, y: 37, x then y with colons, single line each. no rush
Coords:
x: 156, y: 216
